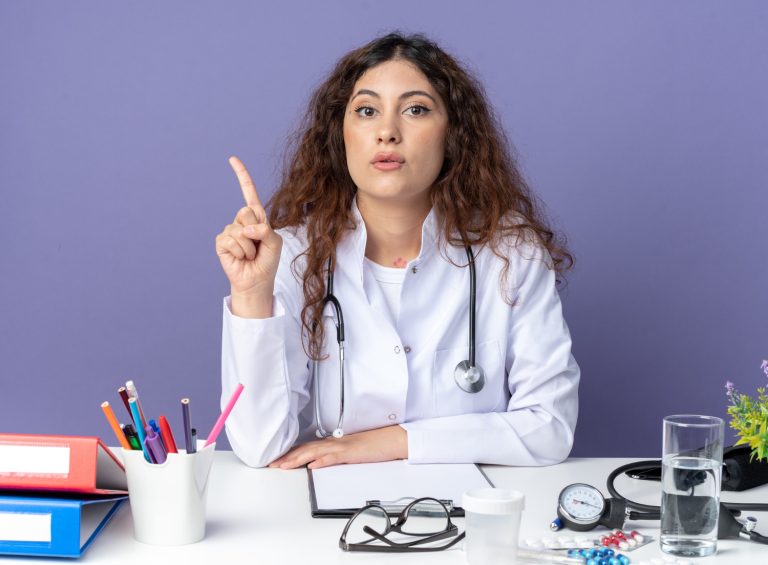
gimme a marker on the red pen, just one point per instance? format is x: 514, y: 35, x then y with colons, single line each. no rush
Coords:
x: 165, y: 433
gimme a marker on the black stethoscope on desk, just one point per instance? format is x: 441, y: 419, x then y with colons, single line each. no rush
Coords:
x: 469, y: 377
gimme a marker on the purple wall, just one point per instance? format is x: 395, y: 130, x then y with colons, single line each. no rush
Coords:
x: 644, y: 126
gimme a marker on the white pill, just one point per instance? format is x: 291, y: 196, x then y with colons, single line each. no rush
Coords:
x: 632, y: 542
x: 534, y: 542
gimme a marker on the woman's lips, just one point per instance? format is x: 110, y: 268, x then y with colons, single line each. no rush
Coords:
x: 388, y: 161
x: 387, y: 165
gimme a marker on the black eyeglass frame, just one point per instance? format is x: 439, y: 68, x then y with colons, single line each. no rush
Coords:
x: 399, y: 547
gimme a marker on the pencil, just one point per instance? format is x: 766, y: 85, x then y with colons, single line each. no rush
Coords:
x: 188, y: 439
x: 223, y: 417
x: 124, y: 396
x: 134, y: 393
x: 107, y: 409
x: 133, y: 403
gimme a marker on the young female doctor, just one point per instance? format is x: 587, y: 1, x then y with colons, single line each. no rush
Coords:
x: 403, y: 219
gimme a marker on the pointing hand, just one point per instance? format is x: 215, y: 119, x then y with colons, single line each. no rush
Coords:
x: 249, y: 252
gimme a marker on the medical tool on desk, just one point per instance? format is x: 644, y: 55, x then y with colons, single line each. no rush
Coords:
x: 582, y: 507
x: 469, y: 376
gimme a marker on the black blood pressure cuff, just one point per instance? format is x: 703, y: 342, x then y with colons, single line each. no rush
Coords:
x: 739, y: 472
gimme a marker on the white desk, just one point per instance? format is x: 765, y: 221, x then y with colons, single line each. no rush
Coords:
x: 262, y: 516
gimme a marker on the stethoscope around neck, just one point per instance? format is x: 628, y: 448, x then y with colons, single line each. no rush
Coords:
x: 469, y: 377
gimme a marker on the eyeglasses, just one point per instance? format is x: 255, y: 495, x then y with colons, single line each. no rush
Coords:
x: 426, y: 519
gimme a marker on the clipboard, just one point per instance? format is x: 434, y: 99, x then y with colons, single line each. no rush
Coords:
x: 339, y: 491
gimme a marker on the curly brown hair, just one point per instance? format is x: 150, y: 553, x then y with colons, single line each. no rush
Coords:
x: 480, y: 195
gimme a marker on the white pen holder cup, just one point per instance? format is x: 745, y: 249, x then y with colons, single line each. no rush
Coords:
x: 168, y: 500
x: 492, y: 525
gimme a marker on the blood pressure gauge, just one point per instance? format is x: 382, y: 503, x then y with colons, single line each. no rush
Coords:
x: 580, y: 507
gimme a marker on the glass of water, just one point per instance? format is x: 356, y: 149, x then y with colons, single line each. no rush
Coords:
x: 690, y: 484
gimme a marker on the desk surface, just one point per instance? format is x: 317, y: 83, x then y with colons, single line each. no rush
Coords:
x: 263, y: 516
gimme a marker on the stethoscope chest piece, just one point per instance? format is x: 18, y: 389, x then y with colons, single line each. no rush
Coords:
x: 469, y: 378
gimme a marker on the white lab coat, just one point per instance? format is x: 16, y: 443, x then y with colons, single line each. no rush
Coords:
x: 401, y: 371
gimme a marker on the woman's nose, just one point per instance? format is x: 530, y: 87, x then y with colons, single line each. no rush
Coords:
x: 389, y: 132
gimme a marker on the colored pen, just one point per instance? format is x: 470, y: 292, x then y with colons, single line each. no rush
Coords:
x: 193, y: 432
x: 107, y: 409
x: 165, y: 433
x: 155, y: 446
x: 124, y: 397
x: 133, y: 393
x: 154, y: 426
x: 133, y: 403
x: 223, y: 417
x: 190, y: 444
x: 133, y: 438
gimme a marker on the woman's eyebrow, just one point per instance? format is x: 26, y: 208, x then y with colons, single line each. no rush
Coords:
x: 410, y: 93
x: 403, y: 96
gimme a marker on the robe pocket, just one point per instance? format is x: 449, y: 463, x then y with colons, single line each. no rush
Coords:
x: 450, y: 400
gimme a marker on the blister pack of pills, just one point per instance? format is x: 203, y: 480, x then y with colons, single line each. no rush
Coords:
x: 615, y: 540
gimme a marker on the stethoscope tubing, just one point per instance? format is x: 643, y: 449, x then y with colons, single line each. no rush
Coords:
x: 472, y: 302
x: 330, y: 298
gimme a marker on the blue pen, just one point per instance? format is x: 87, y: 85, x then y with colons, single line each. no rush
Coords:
x: 156, y: 429
x: 139, y: 427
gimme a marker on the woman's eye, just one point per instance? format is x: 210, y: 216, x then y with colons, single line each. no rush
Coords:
x: 365, y: 111
x: 417, y: 110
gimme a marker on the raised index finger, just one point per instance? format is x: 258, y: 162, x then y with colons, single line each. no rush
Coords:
x: 246, y: 184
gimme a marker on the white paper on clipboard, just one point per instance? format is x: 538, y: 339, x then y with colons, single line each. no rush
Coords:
x: 345, y: 487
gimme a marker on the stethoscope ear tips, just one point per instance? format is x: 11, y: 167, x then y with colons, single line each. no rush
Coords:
x: 338, y: 433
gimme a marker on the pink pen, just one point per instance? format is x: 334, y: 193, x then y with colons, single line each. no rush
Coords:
x: 223, y: 418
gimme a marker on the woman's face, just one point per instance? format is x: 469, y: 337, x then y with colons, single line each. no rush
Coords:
x: 394, y: 134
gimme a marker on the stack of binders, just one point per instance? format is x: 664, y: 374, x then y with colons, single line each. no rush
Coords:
x: 56, y: 493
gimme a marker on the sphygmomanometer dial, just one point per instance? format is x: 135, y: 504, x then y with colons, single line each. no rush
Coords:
x: 580, y: 506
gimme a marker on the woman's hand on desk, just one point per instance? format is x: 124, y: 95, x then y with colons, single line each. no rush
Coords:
x: 249, y: 251
x: 382, y: 444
